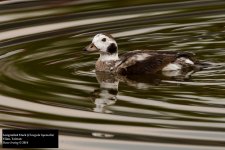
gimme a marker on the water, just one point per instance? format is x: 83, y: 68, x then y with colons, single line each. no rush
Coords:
x: 48, y: 82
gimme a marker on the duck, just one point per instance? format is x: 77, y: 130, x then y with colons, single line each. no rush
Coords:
x: 137, y: 62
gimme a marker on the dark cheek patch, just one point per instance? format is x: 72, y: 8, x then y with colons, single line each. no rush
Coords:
x: 112, y: 48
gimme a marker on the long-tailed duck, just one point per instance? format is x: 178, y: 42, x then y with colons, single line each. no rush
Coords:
x: 137, y: 61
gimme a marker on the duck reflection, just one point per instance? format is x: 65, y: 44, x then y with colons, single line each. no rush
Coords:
x: 106, y: 95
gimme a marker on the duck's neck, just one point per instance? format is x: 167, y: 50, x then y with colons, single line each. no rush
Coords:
x: 108, y: 57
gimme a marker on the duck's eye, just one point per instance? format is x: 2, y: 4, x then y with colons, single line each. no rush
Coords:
x: 104, y: 39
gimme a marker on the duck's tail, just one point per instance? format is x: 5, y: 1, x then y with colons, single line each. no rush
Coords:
x: 201, y: 65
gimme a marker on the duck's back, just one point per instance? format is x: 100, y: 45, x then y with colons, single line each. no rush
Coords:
x: 150, y: 62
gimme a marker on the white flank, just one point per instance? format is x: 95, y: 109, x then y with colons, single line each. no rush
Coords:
x: 173, y: 73
x: 188, y: 61
x: 172, y: 67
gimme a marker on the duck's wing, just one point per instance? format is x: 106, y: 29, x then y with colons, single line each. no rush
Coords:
x: 178, y: 54
x: 147, y: 62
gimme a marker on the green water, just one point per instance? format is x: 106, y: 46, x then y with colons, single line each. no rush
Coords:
x: 47, y: 81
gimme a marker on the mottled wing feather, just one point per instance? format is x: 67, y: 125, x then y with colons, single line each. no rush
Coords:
x: 189, y: 55
x: 156, y: 61
x: 151, y: 65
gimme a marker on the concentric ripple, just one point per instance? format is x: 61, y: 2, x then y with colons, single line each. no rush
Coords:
x: 48, y: 82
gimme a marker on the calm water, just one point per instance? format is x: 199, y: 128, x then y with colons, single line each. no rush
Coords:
x: 48, y: 82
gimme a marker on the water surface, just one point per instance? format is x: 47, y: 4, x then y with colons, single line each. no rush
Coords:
x: 48, y: 82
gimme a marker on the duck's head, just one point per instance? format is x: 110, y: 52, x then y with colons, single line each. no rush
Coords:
x: 103, y: 43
